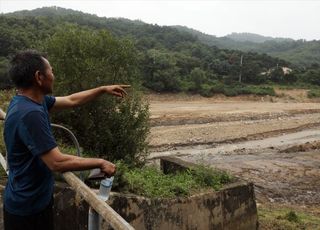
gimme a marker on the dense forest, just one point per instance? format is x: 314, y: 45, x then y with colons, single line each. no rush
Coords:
x: 173, y: 59
x: 300, y: 53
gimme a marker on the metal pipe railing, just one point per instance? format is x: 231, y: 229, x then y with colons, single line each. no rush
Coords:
x: 74, y: 140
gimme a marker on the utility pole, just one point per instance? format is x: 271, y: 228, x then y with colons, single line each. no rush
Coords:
x: 241, y: 58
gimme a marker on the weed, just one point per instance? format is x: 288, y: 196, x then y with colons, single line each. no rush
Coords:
x: 286, y: 219
x: 151, y: 182
x: 313, y: 93
x: 292, y: 217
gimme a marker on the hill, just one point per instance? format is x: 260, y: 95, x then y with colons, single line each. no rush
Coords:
x: 169, y: 59
x: 301, y: 53
x: 256, y: 38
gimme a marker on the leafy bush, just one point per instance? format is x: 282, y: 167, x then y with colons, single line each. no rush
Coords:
x: 276, y: 217
x: 206, y: 90
x: 311, y: 76
x: 206, y: 176
x: 259, y: 90
x: 217, y: 87
x: 292, y: 217
x: 188, y: 86
x: 84, y: 59
x: 150, y: 182
x: 313, y: 93
x: 5, y: 82
x: 5, y: 96
x: 232, y: 90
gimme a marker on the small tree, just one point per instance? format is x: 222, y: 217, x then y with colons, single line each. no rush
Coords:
x: 277, y: 75
x: 198, y: 76
x: 109, y: 127
x: 5, y: 82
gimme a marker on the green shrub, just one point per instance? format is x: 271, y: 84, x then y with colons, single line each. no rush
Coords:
x: 5, y: 97
x: 292, y: 217
x: 206, y: 90
x: 188, y: 86
x: 5, y: 81
x: 274, y: 217
x: 109, y: 127
x: 259, y: 90
x: 150, y: 182
x: 313, y: 93
x: 217, y: 87
x: 231, y: 91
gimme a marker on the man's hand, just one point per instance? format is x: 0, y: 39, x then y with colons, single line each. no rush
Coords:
x: 108, y: 168
x: 117, y: 90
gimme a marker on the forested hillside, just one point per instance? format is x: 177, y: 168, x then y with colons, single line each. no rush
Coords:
x: 301, y: 53
x: 168, y: 59
x: 256, y: 38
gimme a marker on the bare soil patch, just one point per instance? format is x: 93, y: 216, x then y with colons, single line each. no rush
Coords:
x: 272, y: 141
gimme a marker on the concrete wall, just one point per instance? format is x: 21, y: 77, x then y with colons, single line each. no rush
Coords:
x: 231, y: 208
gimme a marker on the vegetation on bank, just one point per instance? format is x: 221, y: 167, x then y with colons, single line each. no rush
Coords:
x: 286, y: 219
x: 314, y: 93
x: 150, y: 182
x: 5, y: 97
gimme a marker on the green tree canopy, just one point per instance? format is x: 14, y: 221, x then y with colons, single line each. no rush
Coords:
x: 83, y: 59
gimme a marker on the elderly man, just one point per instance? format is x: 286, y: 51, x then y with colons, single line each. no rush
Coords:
x: 32, y: 152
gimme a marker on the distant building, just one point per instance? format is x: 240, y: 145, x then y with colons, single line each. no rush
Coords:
x: 286, y: 70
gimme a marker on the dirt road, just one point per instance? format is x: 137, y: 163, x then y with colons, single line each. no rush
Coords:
x: 273, y: 144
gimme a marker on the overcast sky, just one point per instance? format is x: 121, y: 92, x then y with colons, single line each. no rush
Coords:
x: 277, y: 18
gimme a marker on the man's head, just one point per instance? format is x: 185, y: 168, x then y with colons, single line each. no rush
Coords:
x: 31, y: 69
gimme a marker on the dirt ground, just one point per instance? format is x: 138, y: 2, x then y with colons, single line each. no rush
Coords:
x: 271, y: 141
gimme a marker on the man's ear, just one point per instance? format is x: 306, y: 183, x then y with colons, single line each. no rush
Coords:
x: 38, y: 77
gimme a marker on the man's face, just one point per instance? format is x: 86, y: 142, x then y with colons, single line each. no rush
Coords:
x: 48, y: 78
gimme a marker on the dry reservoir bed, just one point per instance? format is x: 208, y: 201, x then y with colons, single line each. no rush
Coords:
x: 275, y: 145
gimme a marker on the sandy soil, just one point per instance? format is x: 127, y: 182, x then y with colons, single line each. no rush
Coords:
x: 273, y: 144
x: 201, y: 120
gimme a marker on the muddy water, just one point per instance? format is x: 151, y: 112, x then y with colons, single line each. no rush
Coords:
x: 279, y: 176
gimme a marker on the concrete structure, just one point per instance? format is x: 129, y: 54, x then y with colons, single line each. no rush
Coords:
x: 231, y: 208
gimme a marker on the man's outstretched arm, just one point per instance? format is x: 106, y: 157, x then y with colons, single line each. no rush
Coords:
x: 83, y: 97
x: 59, y: 162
